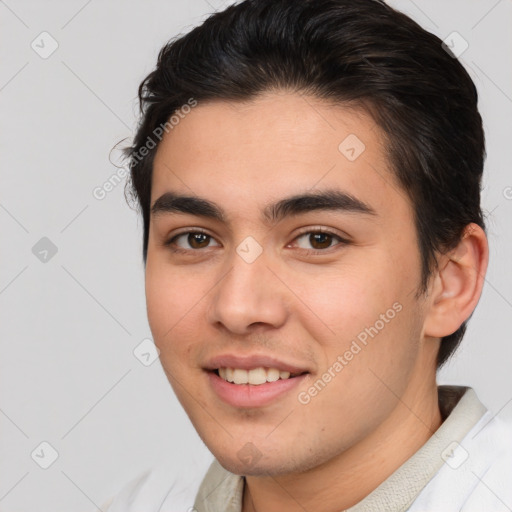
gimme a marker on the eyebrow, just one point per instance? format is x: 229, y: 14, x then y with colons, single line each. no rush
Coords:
x: 332, y: 199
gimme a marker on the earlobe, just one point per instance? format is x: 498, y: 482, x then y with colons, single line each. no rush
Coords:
x: 458, y: 283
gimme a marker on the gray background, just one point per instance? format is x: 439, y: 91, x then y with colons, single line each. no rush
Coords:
x: 70, y: 324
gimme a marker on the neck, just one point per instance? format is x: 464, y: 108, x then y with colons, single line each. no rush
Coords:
x: 349, y: 477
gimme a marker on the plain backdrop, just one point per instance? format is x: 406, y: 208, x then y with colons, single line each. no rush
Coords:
x: 71, y: 275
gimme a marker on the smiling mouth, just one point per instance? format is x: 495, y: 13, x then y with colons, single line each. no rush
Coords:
x: 255, y: 377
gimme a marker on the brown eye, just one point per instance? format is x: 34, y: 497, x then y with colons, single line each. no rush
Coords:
x: 319, y: 240
x: 322, y: 239
x: 197, y: 240
x: 194, y: 239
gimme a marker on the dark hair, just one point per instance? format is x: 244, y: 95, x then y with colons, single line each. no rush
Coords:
x: 359, y: 52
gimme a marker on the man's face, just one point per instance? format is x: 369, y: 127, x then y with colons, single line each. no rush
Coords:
x: 340, y: 307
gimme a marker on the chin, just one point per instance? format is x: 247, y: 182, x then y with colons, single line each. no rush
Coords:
x: 260, y: 468
x: 248, y: 461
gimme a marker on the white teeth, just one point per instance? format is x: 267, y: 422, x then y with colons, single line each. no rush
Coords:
x: 273, y: 374
x: 255, y: 377
x: 240, y: 376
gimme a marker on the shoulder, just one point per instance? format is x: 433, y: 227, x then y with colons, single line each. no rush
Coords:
x: 163, y: 488
x: 476, y: 474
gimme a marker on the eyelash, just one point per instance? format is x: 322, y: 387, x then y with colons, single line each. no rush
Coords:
x: 343, y: 241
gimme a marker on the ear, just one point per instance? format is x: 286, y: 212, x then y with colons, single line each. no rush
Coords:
x: 457, y: 285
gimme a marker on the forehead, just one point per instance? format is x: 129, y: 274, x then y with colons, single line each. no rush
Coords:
x: 279, y: 144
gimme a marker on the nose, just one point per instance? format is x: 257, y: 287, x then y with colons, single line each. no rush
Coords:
x: 248, y: 295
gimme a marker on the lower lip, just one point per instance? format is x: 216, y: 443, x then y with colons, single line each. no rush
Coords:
x: 249, y: 395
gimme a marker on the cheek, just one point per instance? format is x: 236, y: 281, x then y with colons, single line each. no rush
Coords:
x: 359, y: 381
x: 342, y: 302
x: 171, y: 301
x: 160, y: 304
x: 368, y: 319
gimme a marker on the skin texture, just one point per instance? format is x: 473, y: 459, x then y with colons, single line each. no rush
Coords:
x: 305, y: 309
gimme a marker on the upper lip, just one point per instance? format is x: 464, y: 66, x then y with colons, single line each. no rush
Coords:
x: 251, y: 362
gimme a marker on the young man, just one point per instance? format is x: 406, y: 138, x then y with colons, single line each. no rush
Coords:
x: 309, y: 174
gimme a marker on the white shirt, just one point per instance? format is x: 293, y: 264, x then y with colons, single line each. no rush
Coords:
x: 465, y: 466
